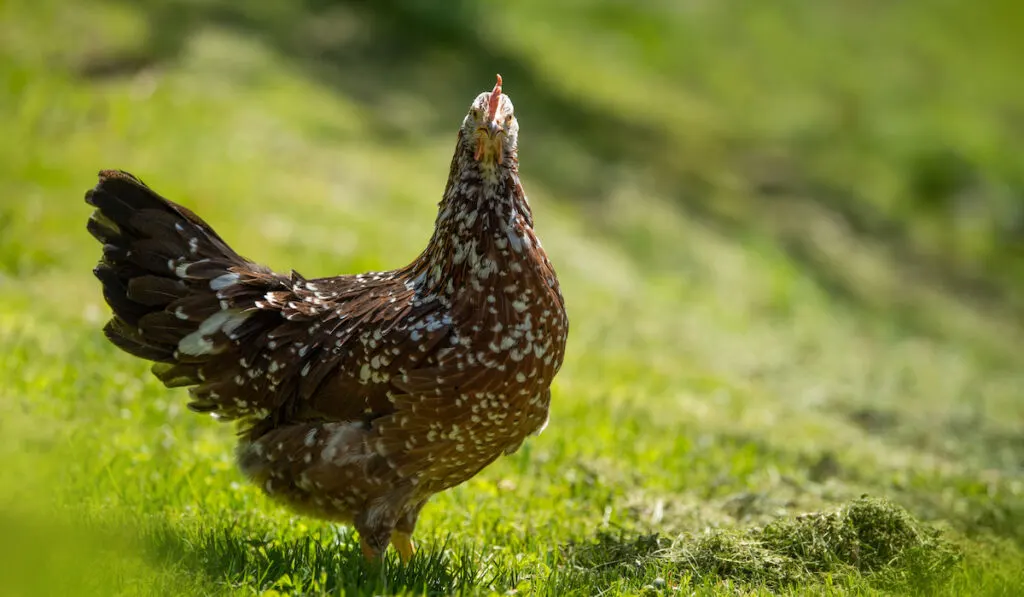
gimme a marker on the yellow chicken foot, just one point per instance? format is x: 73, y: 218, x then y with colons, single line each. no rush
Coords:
x: 403, y: 545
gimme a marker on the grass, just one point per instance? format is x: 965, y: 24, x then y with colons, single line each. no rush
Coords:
x: 871, y: 539
x: 777, y: 302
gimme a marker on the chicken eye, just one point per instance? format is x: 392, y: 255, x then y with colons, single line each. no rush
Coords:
x: 508, y: 121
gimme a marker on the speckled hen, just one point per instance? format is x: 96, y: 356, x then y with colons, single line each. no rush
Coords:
x: 357, y: 397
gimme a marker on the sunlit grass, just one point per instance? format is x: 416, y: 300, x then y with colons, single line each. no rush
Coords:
x: 712, y: 384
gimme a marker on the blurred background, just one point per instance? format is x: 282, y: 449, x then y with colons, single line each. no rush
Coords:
x: 792, y: 225
x: 891, y: 130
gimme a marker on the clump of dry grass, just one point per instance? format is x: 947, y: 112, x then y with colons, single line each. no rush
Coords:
x: 870, y: 537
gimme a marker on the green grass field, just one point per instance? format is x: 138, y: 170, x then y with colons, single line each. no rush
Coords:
x: 791, y: 241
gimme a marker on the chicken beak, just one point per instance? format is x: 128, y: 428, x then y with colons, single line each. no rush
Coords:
x: 488, y: 142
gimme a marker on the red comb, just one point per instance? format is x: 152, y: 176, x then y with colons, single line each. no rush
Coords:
x: 492, y: 104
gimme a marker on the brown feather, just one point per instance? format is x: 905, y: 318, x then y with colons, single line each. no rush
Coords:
x: 209, y: 268
x: 131, y: 345
x: 102, y: 229
x: 164, y: 329
x: 177, y: 375
x: 195, y: 307
x: 155, y: 291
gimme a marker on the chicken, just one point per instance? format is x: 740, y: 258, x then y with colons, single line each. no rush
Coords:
x: 356, y: 397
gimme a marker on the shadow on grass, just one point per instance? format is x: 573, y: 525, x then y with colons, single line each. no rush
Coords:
x: 436, y: 52
x: 318, y: 563
x: 373, y: 52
